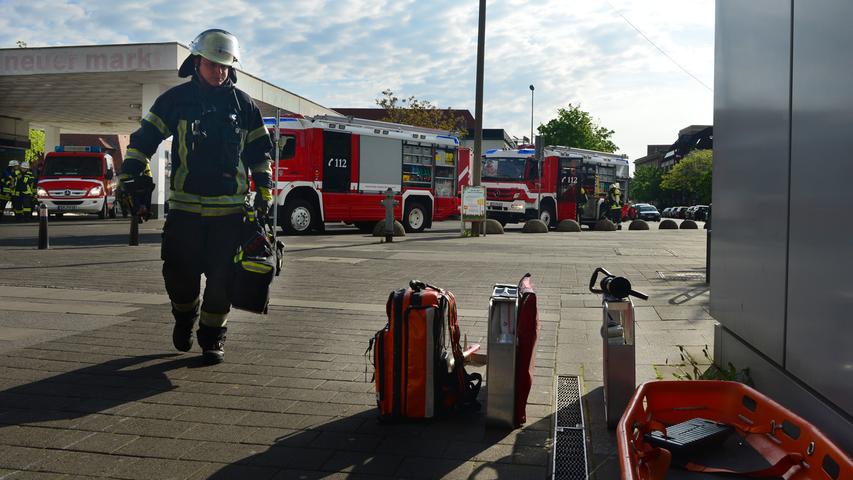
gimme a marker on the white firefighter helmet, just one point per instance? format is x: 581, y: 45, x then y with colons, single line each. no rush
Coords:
x: 25, y: 164
x: 217, y: 46
x: 14, y: 163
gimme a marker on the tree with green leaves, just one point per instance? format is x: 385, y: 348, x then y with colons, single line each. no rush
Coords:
x: 574, y: 127
x: 646, y: 184
x: 692, y: 175
x: 419, y: 113
x: 35, y: 153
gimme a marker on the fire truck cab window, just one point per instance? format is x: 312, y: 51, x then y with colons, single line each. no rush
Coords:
x: 533, y: 173
x: 77, y: 166
x: 503, y: 169
x: 288, y: 147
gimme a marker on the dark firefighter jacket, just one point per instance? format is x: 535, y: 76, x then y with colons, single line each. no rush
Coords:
x: 218, y: 138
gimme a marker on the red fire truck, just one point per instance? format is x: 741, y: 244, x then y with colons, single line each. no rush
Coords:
x: 78, y: 179
x: 337, y: 169
x: 512, y: 180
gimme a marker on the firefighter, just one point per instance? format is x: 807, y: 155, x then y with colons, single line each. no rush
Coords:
x: 7, y: 186
x: 581, y: 201
x: 219, y: 138
x: 614, y: 203
x: 27, y: 189
x: 18, y: 188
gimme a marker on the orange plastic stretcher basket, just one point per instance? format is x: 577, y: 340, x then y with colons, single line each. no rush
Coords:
x: 792, y: 448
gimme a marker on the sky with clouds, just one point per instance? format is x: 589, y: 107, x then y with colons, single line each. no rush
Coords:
x: 343, y: 53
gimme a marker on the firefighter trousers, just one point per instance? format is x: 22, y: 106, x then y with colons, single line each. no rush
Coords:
x: 194, y: 245
x: 18, y: 206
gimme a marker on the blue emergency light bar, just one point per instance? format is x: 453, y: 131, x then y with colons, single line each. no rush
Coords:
x: 71, y: 148
x: 271, y: 121
x: 525, y: 151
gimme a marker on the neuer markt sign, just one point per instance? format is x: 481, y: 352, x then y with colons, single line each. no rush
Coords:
x: 115, y: 58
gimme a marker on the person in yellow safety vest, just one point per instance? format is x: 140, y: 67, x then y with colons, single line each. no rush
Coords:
x: 27, y: 188
x: 580, y: 202
x: 219, y: 138
x: 7, y: 186
x: 614, y: 201
x: 18, y: 194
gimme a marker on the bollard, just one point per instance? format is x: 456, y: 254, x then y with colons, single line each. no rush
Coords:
x: 44, y: 242
x: 134, y: 230
x: 389, y: 203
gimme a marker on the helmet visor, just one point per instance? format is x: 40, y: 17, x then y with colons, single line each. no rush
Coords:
x: 217, y: 46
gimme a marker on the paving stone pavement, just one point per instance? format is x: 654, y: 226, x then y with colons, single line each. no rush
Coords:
x: 90, y: 385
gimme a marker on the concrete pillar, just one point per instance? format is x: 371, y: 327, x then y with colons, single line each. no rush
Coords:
x: 51, y: 138
x: 150, y: 92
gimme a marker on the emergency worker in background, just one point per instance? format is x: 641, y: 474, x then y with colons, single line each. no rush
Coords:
x: 219, y: 138
x: 614, y: 202
x: 581, y: 200
x: 7, y: 186
x: 27, y: 188
x: 17, y: 193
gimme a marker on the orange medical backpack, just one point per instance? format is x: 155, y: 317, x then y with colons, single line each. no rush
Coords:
x: 418, y: 363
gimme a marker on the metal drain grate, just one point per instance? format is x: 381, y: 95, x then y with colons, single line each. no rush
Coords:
x: 569, y: 434
x: 683, y: 276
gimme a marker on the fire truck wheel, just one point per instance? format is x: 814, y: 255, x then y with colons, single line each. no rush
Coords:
x: 103, y: 213
x: 547, y: 216
x: 414, y: 220
x: 298, y: 217
x: 113, y: 211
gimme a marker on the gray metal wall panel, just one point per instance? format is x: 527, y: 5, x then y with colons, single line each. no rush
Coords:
x: 820, y: 288
x: 779, y: 386
x: 751, y: 122
x: 380, y: 164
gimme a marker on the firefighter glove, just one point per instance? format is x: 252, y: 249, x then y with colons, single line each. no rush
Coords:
x: 263, y: 201
x: 138, y: 189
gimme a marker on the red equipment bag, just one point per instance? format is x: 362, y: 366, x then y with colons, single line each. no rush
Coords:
x: 525, y: 354
x: 417, y: 357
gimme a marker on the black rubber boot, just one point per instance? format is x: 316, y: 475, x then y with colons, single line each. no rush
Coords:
x: 182, y: 333
x: 212, y: 343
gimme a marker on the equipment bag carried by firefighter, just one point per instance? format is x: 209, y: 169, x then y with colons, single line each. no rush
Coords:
x: 258, y: 259
x: 419, y: 369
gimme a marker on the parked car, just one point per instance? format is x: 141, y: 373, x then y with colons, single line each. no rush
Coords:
x: 688, y: 214
x: 648, y: 212
x: 679, y: 212
x: 700, y: 212
x: 666, y: 212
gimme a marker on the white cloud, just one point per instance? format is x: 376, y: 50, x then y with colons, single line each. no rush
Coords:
x: 343, y: 53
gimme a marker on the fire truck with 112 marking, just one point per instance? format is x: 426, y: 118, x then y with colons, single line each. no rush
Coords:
x: 337, y: 169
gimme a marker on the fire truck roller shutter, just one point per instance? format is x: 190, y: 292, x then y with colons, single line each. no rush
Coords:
x: 337, y: 161
x: 380, y: 164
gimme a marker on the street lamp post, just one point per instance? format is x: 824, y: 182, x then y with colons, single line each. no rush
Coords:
x: 531, y: 113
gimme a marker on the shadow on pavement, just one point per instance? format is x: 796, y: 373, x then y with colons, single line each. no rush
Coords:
x: 690, y: 294
x: 362, y: 448
x: 81, y: 240
x: 88, y: 264
x: 602, y: 455
x: 91, y: 390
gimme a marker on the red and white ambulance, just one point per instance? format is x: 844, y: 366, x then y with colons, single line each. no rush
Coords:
x: 78, y: 179
x: 337, y: 169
